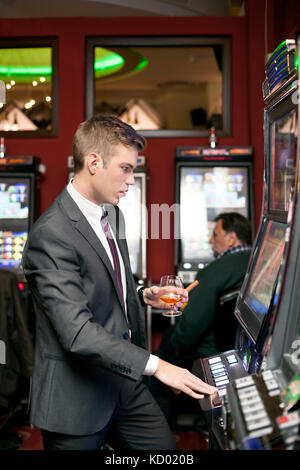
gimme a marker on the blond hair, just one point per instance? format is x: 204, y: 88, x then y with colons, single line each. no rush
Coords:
x: 101, y: 134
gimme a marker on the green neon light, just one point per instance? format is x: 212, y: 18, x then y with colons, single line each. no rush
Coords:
x: 106, y: 62
x: 109, y: 62
x: 25, y: 64
x: 25, y: 70
x: 297, y: 61
x: 144, y: 62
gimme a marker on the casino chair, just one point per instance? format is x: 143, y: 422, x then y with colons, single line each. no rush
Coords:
x: 225, y: 323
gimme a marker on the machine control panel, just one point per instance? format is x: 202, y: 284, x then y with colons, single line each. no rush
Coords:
x: 218, y: 371
x: 258, y: 415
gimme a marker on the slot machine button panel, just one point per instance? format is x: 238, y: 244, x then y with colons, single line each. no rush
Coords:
x: 244, y: 382
x: 271, y: 384
x: 255, y: 415
x: 232, y: 359
x: 248, y: 392
x: 217, y: 368
x: 253, y: 407
x: 267, y: 375
x: 221, y: 382
x: 258, y: 423
x: 214, y: 360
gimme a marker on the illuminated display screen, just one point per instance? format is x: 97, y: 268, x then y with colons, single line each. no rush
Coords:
x: 14, y: 220
x: 131, y: 206
x: 266, y: 269
x: 205, y: 192
x: 283, y: 159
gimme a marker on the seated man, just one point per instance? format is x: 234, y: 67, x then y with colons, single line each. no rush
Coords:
x: 193, y: 335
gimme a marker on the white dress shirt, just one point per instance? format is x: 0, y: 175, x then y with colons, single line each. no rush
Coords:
x: 93, y: 214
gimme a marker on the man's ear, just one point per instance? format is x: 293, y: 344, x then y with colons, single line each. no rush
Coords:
x: 232, y: 239
x: 93, y: 161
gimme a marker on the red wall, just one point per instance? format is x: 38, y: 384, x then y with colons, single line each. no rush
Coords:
x: 247, y: 108
x: 286, y: 20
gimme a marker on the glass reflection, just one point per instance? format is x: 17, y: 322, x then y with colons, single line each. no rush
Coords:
x: 27, y: 75
x: 155, y: 88
x: 283, y: 160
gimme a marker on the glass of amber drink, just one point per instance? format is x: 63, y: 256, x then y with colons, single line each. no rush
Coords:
x: 170, y: 298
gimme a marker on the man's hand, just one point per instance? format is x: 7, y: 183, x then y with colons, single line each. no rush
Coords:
x: 181, y: 380
x: 152, y: 295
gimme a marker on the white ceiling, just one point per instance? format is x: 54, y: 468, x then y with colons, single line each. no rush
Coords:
x: 115, y: 8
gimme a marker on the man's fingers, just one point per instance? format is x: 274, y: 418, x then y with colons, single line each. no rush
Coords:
x: 198, y: 385
x: 188, y: 391
x: 196, y: 395
x: 180, y: 379
x: 154, y: 290
x: 196, y: 389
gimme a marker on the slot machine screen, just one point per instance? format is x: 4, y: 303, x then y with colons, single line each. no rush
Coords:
x: 205, y: 192
x: 263, y: 278
x: 283, y: 138
x: 14, y: 219
x: 134, y: 212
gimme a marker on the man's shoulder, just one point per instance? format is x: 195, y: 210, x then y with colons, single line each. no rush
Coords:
x: 228, y: 261
x: 52, y: 217
x: 234, y: 259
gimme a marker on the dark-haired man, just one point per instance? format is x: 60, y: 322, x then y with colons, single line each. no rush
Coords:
x: 193, y: 335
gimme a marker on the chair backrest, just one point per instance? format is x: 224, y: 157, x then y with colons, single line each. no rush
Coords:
x: 225, y: 323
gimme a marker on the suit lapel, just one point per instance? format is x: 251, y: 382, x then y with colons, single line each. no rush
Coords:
x: 82, y: 225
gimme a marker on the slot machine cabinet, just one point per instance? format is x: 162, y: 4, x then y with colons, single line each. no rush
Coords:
x: 258, y: 308
x: 263, y: 412
x: 208, y: 181
x: 19, y: 188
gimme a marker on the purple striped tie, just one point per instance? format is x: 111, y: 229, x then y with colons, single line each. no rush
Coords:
x: 114, y: 252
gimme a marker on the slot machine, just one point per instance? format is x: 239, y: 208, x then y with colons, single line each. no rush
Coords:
x: 18, y: 204
x: 263, y: 305
x: 263, y: 410
x: 213, y: 180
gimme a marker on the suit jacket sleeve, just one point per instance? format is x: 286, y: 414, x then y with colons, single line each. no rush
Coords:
x: 53, y: 272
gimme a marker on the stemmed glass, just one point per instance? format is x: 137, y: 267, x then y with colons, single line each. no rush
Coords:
x: 169, y: 297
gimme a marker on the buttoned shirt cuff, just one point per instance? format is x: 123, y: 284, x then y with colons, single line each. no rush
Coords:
x: 151, y: 365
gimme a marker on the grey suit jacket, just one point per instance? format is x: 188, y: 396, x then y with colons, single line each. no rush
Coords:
x: 83, y: 365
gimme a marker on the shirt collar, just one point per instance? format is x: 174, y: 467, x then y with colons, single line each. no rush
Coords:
x: 90, y: 210
x: 235, y: 249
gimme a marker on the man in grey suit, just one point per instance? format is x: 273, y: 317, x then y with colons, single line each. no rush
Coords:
x: 90, y: 354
